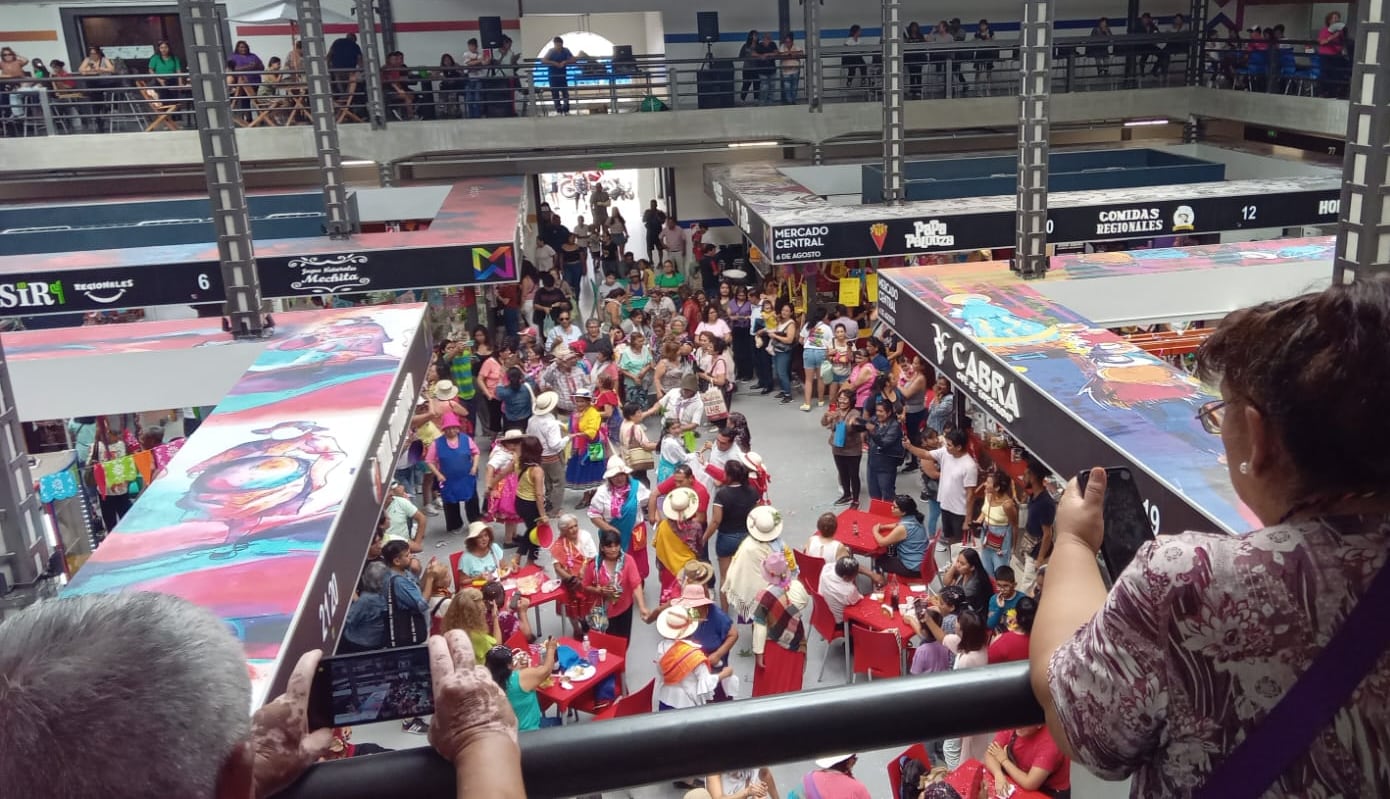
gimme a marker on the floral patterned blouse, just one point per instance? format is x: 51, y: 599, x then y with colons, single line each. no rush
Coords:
x: 1199, y: 639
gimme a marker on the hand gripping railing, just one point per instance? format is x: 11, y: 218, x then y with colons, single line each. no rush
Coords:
x: 590, y: 757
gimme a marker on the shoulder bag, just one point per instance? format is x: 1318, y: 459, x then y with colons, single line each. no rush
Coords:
x: 1304, y: 713
x: 403, y: 629
x: 638, y: 458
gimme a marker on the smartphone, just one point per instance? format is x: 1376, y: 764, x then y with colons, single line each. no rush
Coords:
x: 368, y: 687
x: 1126, y: 522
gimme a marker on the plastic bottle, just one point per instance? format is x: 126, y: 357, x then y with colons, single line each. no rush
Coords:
x: 855, y: 528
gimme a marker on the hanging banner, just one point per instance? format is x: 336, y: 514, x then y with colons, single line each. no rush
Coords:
x: 871, y: 286
x: 849, y: 291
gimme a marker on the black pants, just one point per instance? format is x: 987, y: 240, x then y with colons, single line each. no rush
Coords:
x: 762, y: 367
x: 847, y: 466
x: 854, y: 64
x: 621, y: 624
x: 529, y: 512
x: 752, y: 82
x: 743, y: 353
x: 560, y: 93
x: 516, y: 424
x: 889, y: 564
x: 453, y: 520
x: 952, y: 526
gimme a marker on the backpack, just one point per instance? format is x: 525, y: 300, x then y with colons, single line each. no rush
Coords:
x: 910, y: 784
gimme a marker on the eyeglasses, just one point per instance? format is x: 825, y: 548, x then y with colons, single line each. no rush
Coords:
x: 1211, y: 414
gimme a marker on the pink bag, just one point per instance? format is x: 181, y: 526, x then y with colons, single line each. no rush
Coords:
x: 501, y: 505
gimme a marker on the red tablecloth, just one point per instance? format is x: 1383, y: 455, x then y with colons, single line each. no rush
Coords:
x: 868, y: 612
x: 863, y: 543
x: 562, y: 698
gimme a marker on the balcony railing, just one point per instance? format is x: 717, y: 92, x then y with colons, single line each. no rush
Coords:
x: 591, y: 757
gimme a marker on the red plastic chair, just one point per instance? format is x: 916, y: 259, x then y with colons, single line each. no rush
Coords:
x: 517, y: 641
x: 630, y: 705
x: 810, y: 567
x: 930, y: 568
x: 823, y: 621
x: 916, y: 752
x: 879, y: 652
x: 615, y: 645
x: 881, y: 507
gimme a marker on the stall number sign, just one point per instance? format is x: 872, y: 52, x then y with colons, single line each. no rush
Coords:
x: 996, y: 388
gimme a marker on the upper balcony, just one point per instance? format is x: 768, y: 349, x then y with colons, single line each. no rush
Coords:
x: 648, y: 105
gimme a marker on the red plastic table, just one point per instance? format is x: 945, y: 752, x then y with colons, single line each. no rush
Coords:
x: 561, y: 698
x: 863, y: 543
x: 537, y: 599
x: 868, y: 612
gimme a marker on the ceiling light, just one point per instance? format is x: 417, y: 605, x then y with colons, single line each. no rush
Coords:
x: 742, y: 144
x: 1139, y: 123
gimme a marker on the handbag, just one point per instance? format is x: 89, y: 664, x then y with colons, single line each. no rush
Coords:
x: 841, y: 433
x: 637, y: 458
x: 403, y: 629
x: 594, y: 453
x: 827, y: 371
x: 1289, y: 729
x: 716, y: 408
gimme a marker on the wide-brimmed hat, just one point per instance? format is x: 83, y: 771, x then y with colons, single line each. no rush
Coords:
x: 764, y: 523
x: 445, y: 390
x: 476, y: 529
x: 511, y: 435
x: 695, y: 571
x: 834, y: 760
x: 562, y: 351
x: 582, y: 393
x: 449, y: 420
x: 546, y: 402
x: 692, y: 596
x: 675, y: 623
x: 689, y: 382
x: 753, y: 461
x: 681, y: 505
x: 616, y: 466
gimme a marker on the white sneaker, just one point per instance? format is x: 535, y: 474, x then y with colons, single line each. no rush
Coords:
x: 942, y: 546
x: 805, y: 407
x: 430, y: 510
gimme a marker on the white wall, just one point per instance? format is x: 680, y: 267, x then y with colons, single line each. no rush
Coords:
x: 538, y: 29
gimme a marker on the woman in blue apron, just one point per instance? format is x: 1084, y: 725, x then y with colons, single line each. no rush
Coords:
x: 453, y: 457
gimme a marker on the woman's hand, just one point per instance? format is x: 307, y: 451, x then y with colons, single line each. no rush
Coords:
x: 1082, y: 517
x: 468, y: 704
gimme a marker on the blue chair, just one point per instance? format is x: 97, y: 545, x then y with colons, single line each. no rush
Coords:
x: 1256, y: 66
x: 1307, y: 78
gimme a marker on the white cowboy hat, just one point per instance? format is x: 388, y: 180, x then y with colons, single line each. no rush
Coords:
x: 512, y: 435
x: 616, y: 466
x: 476, y: 529
x: 564, y: 351
x: 834, y: 760
x: 681, y: 504
x: 764, y: 523
x: 753, y: 461
x: 445, y: 390
x: 675, y: 623
x: 546, y: 402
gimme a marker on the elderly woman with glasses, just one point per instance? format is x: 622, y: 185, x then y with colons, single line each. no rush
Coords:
x: 574, y: 548
x: 1183, y: 673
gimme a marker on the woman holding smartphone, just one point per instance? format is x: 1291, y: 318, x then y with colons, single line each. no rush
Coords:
x: 519, y: 680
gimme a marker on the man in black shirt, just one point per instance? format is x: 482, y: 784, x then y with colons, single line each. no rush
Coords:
x: 1042, y: 513
x: 653, y: 219
x: 344, y: 56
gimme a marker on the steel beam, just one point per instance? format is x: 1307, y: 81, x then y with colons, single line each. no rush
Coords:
x: 1363, y: 229
x: 340, y: 221
x: 25, y: 549
x: 202, y: 36
x: 894, y: 147
x: 815, y: 67
x: 1196, y: 55
x: 371, y: 63
x: 1035, y: 71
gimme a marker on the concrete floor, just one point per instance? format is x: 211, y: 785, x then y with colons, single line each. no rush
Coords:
x: 796, y: 451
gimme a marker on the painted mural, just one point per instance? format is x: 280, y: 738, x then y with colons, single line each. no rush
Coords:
x: 1137, y: 401
x: 244, y: 510
x: 1178, y: 259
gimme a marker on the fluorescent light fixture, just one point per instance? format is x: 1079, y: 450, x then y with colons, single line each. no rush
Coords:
x: 49, y: 534
x: 359, y: 163
x: 1140, y: 123
x: 737, y: 145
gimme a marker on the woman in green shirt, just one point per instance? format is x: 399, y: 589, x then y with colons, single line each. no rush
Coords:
x: 669, y: 278
x: 521, y: 681
x: 162, y: 63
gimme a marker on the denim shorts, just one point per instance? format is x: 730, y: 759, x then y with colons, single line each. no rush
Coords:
x: 726, y: 544
x: 812, y: 358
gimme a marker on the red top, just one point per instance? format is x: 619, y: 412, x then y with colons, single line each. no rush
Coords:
x: 600, y: 573
x: 609, y: 398
x: 1009, y: 647
x: 669, y: 484
x: 1038, y: 750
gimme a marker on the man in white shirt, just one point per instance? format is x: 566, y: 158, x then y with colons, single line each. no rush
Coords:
x: 957, y: 474
x: 546, y: 428
x: 473, y: 63
x: 723, y: 450
x: 545, y: 256
x: 581, y: 233
x: 399, y: 513
x: 837, y: 586
x: 672, y: 240
x: 682, y: 404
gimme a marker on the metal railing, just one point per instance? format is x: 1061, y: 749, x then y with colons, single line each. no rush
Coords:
x: 590, y: 757
x: 83, y: 104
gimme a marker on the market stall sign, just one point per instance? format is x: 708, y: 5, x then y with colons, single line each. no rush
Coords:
x: 86, y: 290
x: 386, y: 270
x: 950, y: 232
x: 1051, y: 432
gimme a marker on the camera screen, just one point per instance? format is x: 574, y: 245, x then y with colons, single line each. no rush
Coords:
x: 380, y: 686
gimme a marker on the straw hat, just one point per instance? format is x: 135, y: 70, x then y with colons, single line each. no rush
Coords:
x: 675, y: 623
x: 562, y: 352
x: 681, y: 505
x: 753, y: 461
x: 692, y: 596
x: 616, y: 466
x: 834, y: 760
x: 476, y: 529
x: 445, y: 390
x: 511, y: 435
x: 698, y: 572
x: 764, y: 523
x: 546, y: 402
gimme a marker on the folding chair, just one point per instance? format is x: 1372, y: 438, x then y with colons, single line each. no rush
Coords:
x: 810, y: 567
x: 823, y: 621
x: 916, y: 752
x: 874, y: 651
x: 616, y: 646
x: 161, y: 109
x: 930, y: 568
x: 631, y: 705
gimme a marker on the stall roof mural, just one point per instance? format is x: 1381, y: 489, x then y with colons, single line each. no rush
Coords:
x: 1140, y: 403
x: 1180, y: 259
x: 476, y: 212
x: 245, y: 510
